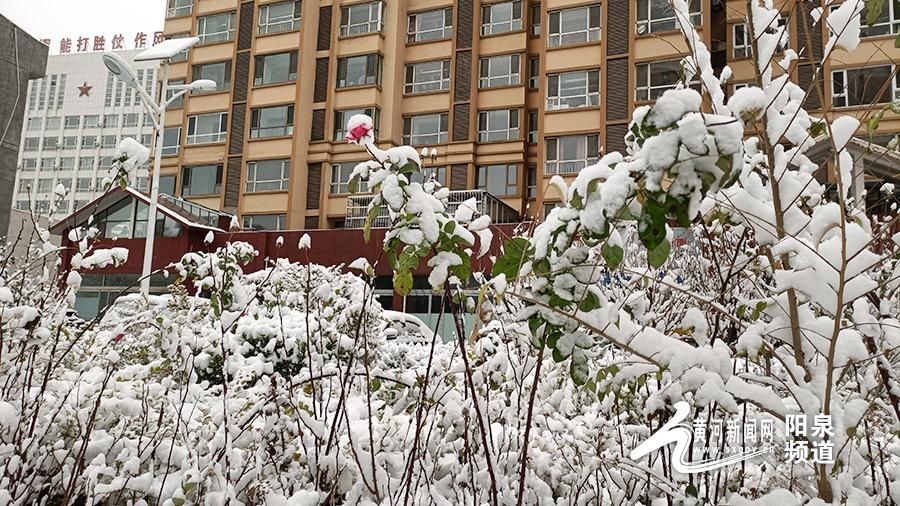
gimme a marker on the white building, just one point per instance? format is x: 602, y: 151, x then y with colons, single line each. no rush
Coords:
x: 74, y: 119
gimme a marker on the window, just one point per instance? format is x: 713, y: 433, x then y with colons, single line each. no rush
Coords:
x: 655, y: 78
x: 342, y: 117
x: 340, y: 178
x: 111, y: 121
x: 501, y: 17
x: 46, y: 163
x: 25, y: 185
x: 425, y: 129
x: 83, y: 184
x: 272, y: 121
x: 147, y: 140
x: 92, y: 121
x: 182, y: 56
x: 502, y: 70
x: 167, y: 184
x: 23, y: 205
x: 219, y: 72
x: 531, y: 182
x: 275, y: 68
x: 106, y: 162
x: 34, y: 124
x: 178, y: 102
x: 571, y: 153
x: 45, y: 185
x: 499, y: 180
x: 67, y: 183
x: 201, y: 180
x: 570, y: 90
x: 70, y: 142
x: 178, y: 8
x: 51, y: 143
x: 358, y: 19
x: 498, y: 125
x: 657, y: 15
x: 280, y: 17
x: 535, y: 20
x: 67, y: 163
x: 30, y: 164
x: 171, y: 141
x: 437, y: 174
x: 116, y: 220
x: 742, y: 39
x: 864, y: 86
x: 148, y: 120
x: 73, y: 121
x: 53, y: 123
x: 86, y: 163
x: 207, y: 128
x: 216, y: 28
x: 268, y: 175
x: 430, y: 25
x: 89, y: 141
x: 742, y: 43
x: 574, y: 26
x: 265, y: 221
x: 108, y: 141
x: 359, y: 70
x: 32, y: 143
x: 887, y: 23
x: 427, y: 76
x: 534, y: 72
x: 532, y: 127
x: 142, y: 183
x: 131, y: 120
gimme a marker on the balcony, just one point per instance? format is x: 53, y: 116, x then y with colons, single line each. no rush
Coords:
x: 500, y: 213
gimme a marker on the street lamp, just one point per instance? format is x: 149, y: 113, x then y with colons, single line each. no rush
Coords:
x: 118, y: 67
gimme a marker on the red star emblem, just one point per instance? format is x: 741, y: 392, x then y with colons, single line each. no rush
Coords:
x: 84, y: 90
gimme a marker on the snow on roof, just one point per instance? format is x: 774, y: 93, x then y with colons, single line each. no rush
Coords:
x: 72, y: 219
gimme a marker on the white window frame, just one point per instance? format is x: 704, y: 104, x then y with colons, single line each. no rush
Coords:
x: 414, y: 32
x: 167, y: 149
x: 498, y: 125
x: 280, y: 221
x: 255, y: 185
x: 513, y: 77
x: 284, y: 129
x: 490, y: 26
x: 439, y: 79
x: 646, y: 24
x: 35, y: 124
x: 557, y: 165
x: 581, y: 35
x: 179, y: 8
x: 842, y: 94
x: 441, y: 136
x: 891, y: 10
x: 532, y: 120
x: 651, y: 92
x: 374, y: 23
x: 745, y: 49
x: 207, y: 138
x: 265, y: 25
x: 217, y: 183
x: 220, y: 36
x: 557, y: 101
x: 510, y: 169
x: 340, y: 179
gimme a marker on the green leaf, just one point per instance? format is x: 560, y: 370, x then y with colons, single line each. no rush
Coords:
x: 578, y: 369
x: 818, y: 128
x: 873, y: 11
x: 558, y: 356
x: 658, y: 255
x: 373, y: 214
x: 691, y: 491
x: 515, y: 253
x: 464, y: 270
x: 374, y: 385
x: 897, y: 41
x: 403, y: 281
x: 652, y: 223
x: 590, y: 302
x: 613, y: 255
x: 353, y: 185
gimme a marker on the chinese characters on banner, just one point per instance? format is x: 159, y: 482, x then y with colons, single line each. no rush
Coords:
x: 802, y: 443
x: 82, y: 44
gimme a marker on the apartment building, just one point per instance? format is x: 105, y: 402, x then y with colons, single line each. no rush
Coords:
x: 75, y: 117
x: 503, y: 93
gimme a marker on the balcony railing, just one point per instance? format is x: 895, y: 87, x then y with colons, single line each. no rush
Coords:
x: 485, y: 203
x: 190, y: 210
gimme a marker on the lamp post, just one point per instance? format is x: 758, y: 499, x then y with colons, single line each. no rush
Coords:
x: 124, y: 72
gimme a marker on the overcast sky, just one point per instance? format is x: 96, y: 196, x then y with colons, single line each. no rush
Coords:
x: 60, y: 19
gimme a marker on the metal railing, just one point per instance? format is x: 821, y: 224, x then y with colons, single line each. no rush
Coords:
x: 200, y: 213
x: 485, y: 203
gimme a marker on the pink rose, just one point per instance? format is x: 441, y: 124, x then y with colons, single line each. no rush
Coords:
x: 358, y: 133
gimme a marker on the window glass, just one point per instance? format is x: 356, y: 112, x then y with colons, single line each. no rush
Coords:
x: 219, y: 72
x: 340, y: 179
x: 207, y: 128
x: 425, y: 129
x: 178, y: 8
x: 571, y: 153
x: 272, y: 121
x: 498, y: 125
x: 574, y: 26
x: 201, y: 180
x: 216, y: 27
x: 501, y: 70
x: 268, y: 175
x: 265, y: 221
x: 279, y: 17
x: 657, y: 15
x: 363, y: 18
x: 570, y: 90
x: 359, y: 70
x: 498, y: 180
x: 427, y: 76
x: 501, y: 17
x: 171, y: 141
x: 342, y: 117
x: 275, y: 68
x: 430, y: 25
